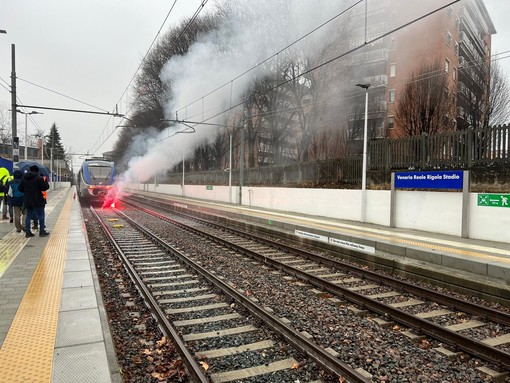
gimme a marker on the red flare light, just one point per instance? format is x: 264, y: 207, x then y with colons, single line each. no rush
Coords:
x: 110, y: 198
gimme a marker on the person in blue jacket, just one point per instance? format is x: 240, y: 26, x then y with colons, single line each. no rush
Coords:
x: 16, y: 197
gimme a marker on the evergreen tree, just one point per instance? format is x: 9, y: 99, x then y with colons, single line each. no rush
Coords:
x: 54, y: 142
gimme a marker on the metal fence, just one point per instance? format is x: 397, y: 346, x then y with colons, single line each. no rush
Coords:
x: 328, y: 173
x: 6, y: 151
x: 467, y: 149
x: 484, y: 151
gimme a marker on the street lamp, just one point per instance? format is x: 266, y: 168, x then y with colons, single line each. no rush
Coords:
x: 364, y: 171
x: 26, y: 130
x: 41, y: 137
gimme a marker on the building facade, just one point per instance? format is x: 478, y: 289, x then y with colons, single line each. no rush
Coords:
x: 457, y: 39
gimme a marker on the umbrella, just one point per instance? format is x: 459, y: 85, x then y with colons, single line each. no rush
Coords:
x: 24, y: 166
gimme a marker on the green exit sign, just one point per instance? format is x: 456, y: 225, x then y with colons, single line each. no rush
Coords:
x: 208, y: 187
x: 495, y: 200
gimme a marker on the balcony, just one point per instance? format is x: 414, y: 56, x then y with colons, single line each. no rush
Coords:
x: 468, y: 45
x: 370, y: 57
x: 376, y: 81
x: 374, y: 30
x: 469, y: 26
x: 379, y: 106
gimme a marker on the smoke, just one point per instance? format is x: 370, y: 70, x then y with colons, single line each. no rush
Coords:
x: 251, y: 32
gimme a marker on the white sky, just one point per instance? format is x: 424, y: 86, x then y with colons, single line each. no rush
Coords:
x: 89, y: 50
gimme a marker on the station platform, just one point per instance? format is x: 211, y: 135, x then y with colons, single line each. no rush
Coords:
x: 475, y: 267
x: 53, y: 326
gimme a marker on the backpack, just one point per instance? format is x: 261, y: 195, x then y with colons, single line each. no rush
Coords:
x: 14, y: 190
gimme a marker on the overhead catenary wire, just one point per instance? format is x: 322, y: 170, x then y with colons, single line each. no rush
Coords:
x: 350, y: 51
x: 192, y: 19
x: 156, y: 39
x: 274, y: 54
x: 61, y: 94
x: 133, y: 77
x: 429, y: 75
x: 425, y: 76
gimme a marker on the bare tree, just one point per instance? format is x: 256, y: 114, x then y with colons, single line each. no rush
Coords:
x: 5, y: 125
x: 498, y: 107
x: 425, y: 105
x: 277, y: 115
x: 152, y: 93
x: 218, y: 150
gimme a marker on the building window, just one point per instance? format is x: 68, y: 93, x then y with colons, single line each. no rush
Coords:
x: 457, y: 23
x: 391, y: 122
x: 391, y: 95
x: 454, y: 74
x: 457, y: 49
x: 393, y: 43
x: 447, y: 66
x: 393, y: 70
x: 450, y: 11
x: 448, y: 38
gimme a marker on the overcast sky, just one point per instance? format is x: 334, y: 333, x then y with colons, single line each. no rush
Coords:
x: 89, y: 50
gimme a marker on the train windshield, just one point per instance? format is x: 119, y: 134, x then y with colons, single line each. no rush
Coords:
x: 100, y: 174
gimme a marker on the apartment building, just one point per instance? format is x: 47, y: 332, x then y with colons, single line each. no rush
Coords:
x: 403, y: 35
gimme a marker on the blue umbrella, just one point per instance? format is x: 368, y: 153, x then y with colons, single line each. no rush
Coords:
x: 24, y: 166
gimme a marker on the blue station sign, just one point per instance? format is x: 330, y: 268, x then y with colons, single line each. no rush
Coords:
x: 451, y: 179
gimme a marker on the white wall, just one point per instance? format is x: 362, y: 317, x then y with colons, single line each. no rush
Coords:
x: 435, y: 212
x: 490, y: 223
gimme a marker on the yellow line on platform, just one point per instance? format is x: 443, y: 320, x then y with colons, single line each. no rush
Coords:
x: 341, y: 230
x: 27, y: 352
x: 10, y: 246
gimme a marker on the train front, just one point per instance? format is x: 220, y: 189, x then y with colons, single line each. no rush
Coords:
x: 98, y: 178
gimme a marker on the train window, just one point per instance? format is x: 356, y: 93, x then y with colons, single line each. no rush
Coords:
x: 100, y: 173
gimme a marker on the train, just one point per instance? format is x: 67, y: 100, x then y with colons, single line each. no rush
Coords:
x: 95, y: 178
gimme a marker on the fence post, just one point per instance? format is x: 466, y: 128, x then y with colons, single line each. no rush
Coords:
x: 393, y: 200
x: 469, y: 151
x: 466, y: 184
x: 424, y: 150
x: 386, y: 149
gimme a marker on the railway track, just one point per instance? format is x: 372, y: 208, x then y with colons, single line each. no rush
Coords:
x: 221, y: 334
x: 458, y: 325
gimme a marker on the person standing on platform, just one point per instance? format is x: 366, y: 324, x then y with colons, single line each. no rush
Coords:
x: 8, y: 199
x: 4, y: 178
x: 32, y: 184
x: 16, y: 199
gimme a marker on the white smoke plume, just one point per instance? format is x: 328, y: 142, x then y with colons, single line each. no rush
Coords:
x: 255, y: 31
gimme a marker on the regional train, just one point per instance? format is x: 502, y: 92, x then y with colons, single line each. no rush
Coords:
x: 95, y: 178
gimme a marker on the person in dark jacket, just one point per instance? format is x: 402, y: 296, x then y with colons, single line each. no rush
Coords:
x: 32, y: 184
x: 16, y: 198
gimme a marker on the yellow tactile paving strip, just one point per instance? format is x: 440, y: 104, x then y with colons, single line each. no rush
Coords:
x: 368, y: 233
x: 13, y: 243
x: 446, y: 249
x: 27, y: 352
x: 10, y: 246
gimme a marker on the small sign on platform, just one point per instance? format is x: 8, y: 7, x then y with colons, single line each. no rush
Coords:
x: 336, y: 242
x: 494, y: 200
